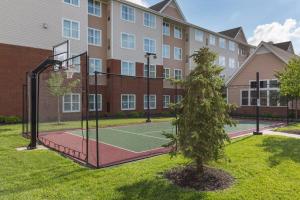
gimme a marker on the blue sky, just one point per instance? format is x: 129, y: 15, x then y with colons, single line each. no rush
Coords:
x: 276, y: 20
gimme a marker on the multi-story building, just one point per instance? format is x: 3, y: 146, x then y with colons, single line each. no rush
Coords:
x: 116, y: 34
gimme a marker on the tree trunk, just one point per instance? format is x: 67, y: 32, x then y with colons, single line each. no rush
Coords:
x: 199, y: 167
x: 58, y: 110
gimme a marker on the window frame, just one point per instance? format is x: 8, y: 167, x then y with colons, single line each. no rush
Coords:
x: 175, y: 58
x: 151, y: 71
x: 169, y: 73
x: 100, y: 108
x: 222, y: 43
x: 169, y: 32
x: 163, y: 51
x: 181, y: 32
x: 100, y: 36
x: 128, y: 62
x: 210, y: 40
x: 71, y: 102
x: 121, y: 13
x: 145, y: 102
x: 149, y: 39
x: 231, y: 46
x: 63, y: 29
x: 164, y: 101
x: 220, y: 56
x: 100, y: 9
x: 176, y: 70
x: 94, y: 63
x: 134, y: 39
x: 150, y: 14
x: 71, y: 4
x: 128, y: 109
x: 196, y: 38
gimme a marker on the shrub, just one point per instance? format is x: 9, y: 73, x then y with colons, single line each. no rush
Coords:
x: 120, y: 115
x: 134, y: 115
x: 10, y: 119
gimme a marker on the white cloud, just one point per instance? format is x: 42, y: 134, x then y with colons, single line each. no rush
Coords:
x: 277, y: 32
x: 140, y: 2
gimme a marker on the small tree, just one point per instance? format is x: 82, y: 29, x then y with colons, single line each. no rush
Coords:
x: 203, y: 113
x: 58, y: 87
x: 289, y: 80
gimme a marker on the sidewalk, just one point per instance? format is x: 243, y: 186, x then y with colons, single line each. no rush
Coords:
x: 270, y: 132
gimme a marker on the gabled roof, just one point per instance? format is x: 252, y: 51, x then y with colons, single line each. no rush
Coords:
x: 161, y: 6
x: 283, y: 55
x: 231, y: 32
x: 285, y: 45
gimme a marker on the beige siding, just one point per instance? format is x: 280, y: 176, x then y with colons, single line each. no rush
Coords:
x: 24, y: 23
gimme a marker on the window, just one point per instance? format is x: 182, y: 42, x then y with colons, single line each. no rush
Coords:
x: 127, y: 13
x: 166, y: 51
x: 274, y: 84
x: 128, y: 41
x: 212, y: 40
x: 71, y: 103
x: 72, y: 2
x: 94, y: 37
x: 149, y: 45
x: 166, y: 101
x: 95, y: 65
x: 222, y: 61
x: 263, y: 96
x: 71, y: 29
x: 128, y: 102
x: 92, y: 102
x: 231, y: 46
x: 149, y: 20
x: 177, y: 74
x: 152, y: 102
x: 199, y: 35
x: 245, y: 98
x: 178, y: 99
x: 94, y: 8
x: 166, y: 29
x: 76, y: 63
x: 152, y: 71
x: 274, y: 98
x: 231, y: 63
x: 177, y: 53
x: 253, y: 98
x: 222, y: 43
x: 166, y: 73
x: 128, y: 68
x: 262, y: 84
x: 178, y: 32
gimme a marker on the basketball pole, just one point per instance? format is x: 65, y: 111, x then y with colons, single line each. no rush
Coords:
x: 257, y: 132
x: 97, y: 116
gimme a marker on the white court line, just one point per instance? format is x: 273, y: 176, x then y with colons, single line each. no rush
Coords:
x: 158, y: 131
x: 122, y: 131
x: 103, y: 143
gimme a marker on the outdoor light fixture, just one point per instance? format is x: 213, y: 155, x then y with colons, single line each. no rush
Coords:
x: 148, y: 55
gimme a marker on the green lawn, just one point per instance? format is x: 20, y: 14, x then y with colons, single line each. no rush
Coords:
x: 264, y: 167
x: 293, y: 128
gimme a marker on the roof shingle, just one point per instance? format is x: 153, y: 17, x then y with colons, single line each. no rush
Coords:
x: 231, y: 32
x: 160, y: 5
x: 283, y: 45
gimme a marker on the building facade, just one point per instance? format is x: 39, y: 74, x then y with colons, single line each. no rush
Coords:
x: 116, y: 34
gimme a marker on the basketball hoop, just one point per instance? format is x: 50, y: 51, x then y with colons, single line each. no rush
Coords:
x: 71, y: 70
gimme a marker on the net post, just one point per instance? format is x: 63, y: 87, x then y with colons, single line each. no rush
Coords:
x: 257, y: 132
x: 97, y: 116
x: 148, y: 90
x: 23, y: 109
x: 87, y: 106
x: 32, y: 144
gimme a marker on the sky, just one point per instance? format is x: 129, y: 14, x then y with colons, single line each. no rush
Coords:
x: 267, y: 20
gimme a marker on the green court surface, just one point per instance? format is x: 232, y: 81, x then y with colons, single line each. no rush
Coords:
x: 144, y: 137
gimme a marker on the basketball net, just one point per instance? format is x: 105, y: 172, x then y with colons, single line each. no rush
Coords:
x: 71, y: 70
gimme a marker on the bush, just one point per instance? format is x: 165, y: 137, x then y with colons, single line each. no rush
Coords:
x: 120, y: 115
x: 10, y: 120
x: 166, y: 114
x: 134, y: 115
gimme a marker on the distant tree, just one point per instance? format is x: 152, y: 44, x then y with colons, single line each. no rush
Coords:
x: 289, y: 80
x: 202, y: 114
x: 59, y: 86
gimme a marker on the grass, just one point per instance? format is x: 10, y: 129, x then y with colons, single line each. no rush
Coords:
x: 265, y: 167
x: 292, y: 128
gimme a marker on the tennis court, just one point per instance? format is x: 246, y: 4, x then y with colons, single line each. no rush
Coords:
x: 125, y: 143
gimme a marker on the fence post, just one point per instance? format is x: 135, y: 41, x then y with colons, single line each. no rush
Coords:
x: 257, y: 132
x: 97, y: 117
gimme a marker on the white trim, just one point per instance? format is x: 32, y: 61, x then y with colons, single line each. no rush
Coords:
x: 90, y: 14
x: 131, y: 62
x: 70, y: 20
x: 169, y: 72
x: 145, y: 101
x: 178, y: 8
x: 144, y: 68
x: 165, y: 107
x: 94, y: 102
x: 181, y: 35
x: 134, y: 17
x: 199, y: 31
x: 129, y: 109
x: 154, y: 20
x: 169, y: 29
x: 150, y: 39
x: 71, y: 4
x: 94, y: 59
x: 71, y: 111
x: 169, y: 56
x: 175, y: 53
x: 129, y: 34
x: 180, y: 72
x: 94, y: 30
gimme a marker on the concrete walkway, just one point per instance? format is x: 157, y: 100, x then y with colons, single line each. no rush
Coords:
x: 270, y: 132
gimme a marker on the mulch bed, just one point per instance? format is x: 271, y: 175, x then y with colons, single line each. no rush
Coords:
x: 187, y: 177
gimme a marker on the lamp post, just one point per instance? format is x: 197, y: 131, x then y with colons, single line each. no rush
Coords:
x: 148, y: 55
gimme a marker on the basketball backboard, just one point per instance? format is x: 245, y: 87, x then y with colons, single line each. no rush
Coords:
x: 61, y: 53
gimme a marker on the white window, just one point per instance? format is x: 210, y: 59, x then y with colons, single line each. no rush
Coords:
x: 166, y: 73
x: 127, y: 13
x: 166, y: 29
x: 75, y: 62
x: 222, y: 43
x: 95, y: 65
x: 231, y: 63
x: 199, y: 35
x: 222, y: 61
x: 166, y: 101
x: 94, y: 37
x: 212, y: 40
x: 245, y: 98
x: 177, y: 74
x: 71, y: 29
x: 177, y: 53
x: 178, y: 32
x: 178, y: 98
x: 152, y: 102
x: 149, y: 20
x: 128, y: 41
x: 71, y: 103
x: 149, y: 45
x: 92, y: 102
x: 166, y: 51
x: 128, y: 68
x: 73, y: 2
x: 231, y: 46
x: 152, y: 71
x: 94, y: 8
x: 128, y: 102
